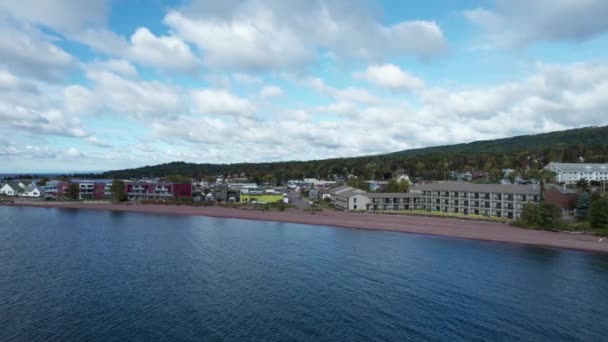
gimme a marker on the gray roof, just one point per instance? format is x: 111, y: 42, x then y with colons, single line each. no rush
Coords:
x: 578, y: 167
x: 15, y: 186
x: 530, y: 189
x: 392, y: 195
x: 352, y: 193
x: 31, y: 187
x: 342, y: 189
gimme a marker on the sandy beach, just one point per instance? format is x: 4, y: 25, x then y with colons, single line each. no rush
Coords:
x: 457, y: 228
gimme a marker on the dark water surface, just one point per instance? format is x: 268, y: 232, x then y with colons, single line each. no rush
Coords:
x: 78, y: 275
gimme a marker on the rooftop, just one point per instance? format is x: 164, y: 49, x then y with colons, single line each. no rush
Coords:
x: 578, y: 167
x: 530, y: 189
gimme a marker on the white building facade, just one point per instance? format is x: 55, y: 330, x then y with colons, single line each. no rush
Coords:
x: 570, y: 173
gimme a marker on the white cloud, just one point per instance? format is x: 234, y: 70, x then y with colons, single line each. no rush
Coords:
x: 63, y: 16
x: 349, y: 94
x: 209, y: 101
x: 118, y: 66
x: 72, y: 152
x: 138, y: 99
x: 278, y: 35
x: 523, y: 22
x: 391, y: 77
x: 271, y: 91
x: 26, y: 51
x: 167, y: 52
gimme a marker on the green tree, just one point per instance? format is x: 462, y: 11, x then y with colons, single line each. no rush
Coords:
x: 118, y: 191
x: 358, y: 183
x: 582, y: 205
x: 547, y: 176
x: 404, y: 185
x: 177, y: 179
x: 43, y: 181
x: 598, y: 213
x: 72, y: 191
x: 543, y: 215
x: 392, y: 186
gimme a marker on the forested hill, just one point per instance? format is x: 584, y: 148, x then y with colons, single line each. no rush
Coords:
x: 588, y: 136
x: 526, y: 154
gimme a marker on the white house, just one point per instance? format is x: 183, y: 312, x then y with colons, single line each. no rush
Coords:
x: 570, y: 173
x: 11, y: 189
x: 32, y: 191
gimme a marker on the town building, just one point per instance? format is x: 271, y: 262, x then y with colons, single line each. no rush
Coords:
x: 561, y: 196
x: 51, y: 189
x: 224, y: 193
x: 255, y: 196
x: 157, y: 191
x: 477, y: 199
x: 32, y: 190
x: 348, y: 198
x: 393, y: 201
x: 570, y: 173
x: 11, y: 189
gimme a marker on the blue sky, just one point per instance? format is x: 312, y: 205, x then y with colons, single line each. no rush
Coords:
x: 96, y: 85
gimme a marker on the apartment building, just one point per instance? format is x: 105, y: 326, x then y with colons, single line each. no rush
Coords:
x: 393, y: 201
x: 349, y: 198
x: 477, y: 199
x: 157, y: 191
x: 570, y: 173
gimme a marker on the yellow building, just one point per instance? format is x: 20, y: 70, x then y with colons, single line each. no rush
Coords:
x: 261, y: 198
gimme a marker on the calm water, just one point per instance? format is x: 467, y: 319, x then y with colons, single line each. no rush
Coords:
x: 75, y: 275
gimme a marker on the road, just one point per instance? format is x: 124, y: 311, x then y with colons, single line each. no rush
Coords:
x: 297, y: 202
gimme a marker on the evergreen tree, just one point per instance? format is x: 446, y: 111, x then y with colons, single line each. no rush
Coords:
x: 72, y: 192
x: 582, y: 205
x: 598, y: 214
x: 118, y: 191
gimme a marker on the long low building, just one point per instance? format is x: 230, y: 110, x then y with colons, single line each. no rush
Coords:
x: 451, y: 197
x: 570, y: 173
x: 157, y: 191
x: 466, y: 198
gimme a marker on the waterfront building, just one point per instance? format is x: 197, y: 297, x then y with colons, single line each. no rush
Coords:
x: 477, y: 199
x: 570, y: 173
x: 11, y: 189
x: 393, y: 201
x: 348, y: 198
x: 158, y: 191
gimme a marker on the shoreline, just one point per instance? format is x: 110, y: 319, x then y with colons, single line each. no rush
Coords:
x: 436, y: 226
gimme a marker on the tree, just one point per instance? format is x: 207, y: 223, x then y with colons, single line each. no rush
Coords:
x: 43, y: 181
x: 72, y: 191
x: 544, y: 215
x: 598, y: 213
x: 392, y: 186
x: 357, y: 183
x: 177, y: 179
x: 582, y: 205
x: 404, y: 185
x: 118, y: 191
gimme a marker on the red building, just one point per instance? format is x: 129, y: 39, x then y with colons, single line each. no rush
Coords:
x: 564, y: 198
x: 88, y: 189
x: 157, y: 191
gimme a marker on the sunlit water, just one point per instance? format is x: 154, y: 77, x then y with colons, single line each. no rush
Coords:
x: 78, y: 275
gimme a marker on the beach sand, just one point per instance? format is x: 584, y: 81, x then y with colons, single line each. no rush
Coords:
x: 450, y: 227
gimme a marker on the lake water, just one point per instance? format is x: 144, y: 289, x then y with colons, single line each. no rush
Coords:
x: 78, y: 275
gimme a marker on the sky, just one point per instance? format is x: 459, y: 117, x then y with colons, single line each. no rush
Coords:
x: 98, y: 84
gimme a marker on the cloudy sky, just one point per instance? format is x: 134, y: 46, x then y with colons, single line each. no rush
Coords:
x: 95, y: 85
